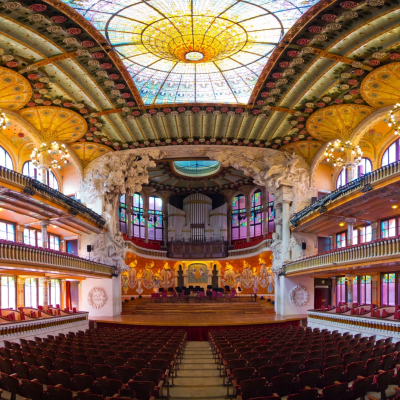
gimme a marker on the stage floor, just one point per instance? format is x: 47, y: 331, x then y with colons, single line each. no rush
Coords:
x: 203, y: 319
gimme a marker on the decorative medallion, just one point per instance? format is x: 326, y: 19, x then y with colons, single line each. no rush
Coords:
x: 306, y: 148
x: 337, y: 122
x: 55, y: 123
x: 298, y: 296
x: 97, y: 298
x: 15, y: 90
x: 381, y: 87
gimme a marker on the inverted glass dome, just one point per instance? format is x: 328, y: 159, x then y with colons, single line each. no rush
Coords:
x: 196, y: 168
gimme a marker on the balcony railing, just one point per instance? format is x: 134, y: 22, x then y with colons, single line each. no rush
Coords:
x: 372, y: 251
x: 31, y: 185
x: 364, y: 183
x: 16, y: 253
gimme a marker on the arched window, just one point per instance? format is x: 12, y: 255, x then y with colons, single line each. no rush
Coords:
x: 239, y: 218
x: 123, y: 218
x: 29, y: 170
x: 256, y: 219
x: 392, y: 153
x: 5, y: 159
x: 155, y: 219
x: 137, y: 217
x: 365, y: 167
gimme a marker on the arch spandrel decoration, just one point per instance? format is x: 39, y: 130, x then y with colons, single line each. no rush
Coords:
x: 306, y: 149
x: 337, y: 122
x: 381, y: 87
x: 15, y: 90
x: 56, y: 123
x: 89, y: 151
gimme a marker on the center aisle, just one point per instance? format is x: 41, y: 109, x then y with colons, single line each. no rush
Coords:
x: 198, y: 375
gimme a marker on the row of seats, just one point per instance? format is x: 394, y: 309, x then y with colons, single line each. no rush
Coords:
x: 93, y: 365
x: 305, y: 364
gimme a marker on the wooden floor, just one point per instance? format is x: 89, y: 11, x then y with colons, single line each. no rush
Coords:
x: 198, y: 314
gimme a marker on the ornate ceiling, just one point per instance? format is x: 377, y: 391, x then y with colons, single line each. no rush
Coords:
x: 338, y: 56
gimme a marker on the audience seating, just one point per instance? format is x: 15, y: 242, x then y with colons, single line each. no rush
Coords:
x: 96, y: 364
x: 304, y: 364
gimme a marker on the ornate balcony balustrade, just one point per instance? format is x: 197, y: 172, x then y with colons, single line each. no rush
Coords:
x: 30, y: 186
x: 373, y: 252
x: 363, y: 184
x: 15, y: 254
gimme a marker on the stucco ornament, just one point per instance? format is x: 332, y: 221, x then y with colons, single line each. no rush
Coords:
x: 298, y: 296
x: 268, y: 169
x: 112, y: 175
x: 97, y: 298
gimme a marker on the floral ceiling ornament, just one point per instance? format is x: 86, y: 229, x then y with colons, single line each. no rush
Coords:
x: 395, y: 123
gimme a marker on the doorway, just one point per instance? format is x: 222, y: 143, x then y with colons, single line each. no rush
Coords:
x: 72, y: 247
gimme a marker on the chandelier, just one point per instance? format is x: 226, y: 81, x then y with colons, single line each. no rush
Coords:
x: 340, y: 146
x: 54, y: 149
x: 3, y: 121
x: 393, y: 121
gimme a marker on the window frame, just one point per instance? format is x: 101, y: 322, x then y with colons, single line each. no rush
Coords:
x: 397, y: 227
x: 14, y: 225
x: 338, y: 284
x: 396, y: 291
x: 139, y: 229
x: 14, y: 277
x: 152, y: 212
x: 51, y: 284
x: 256, y: 210
x: 240, y: 212
x: 7, y: 155
x: 37, y: 293
x: 123, y: 214
x: 358, y: 174
x: 396, y: 143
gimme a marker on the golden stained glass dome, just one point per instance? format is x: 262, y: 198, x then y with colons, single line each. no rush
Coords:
x: 188, y: 51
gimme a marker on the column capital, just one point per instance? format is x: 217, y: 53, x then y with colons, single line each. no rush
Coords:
x: 350, y: 276
x: 350, y: 221
x: 44, y: 223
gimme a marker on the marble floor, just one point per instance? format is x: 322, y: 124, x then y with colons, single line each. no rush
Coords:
x: 198, y: 375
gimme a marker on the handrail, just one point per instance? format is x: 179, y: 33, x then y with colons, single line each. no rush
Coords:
x: 365, y: 182
x: 144, y: 251
x: 374, y: 249
x: 30, y: 185
x: 249, y: 250
x: 15, y: 252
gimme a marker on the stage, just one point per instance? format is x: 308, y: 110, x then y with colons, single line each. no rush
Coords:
x: 199, y: 319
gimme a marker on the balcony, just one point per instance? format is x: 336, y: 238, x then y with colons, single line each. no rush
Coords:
x: 368, y: 254
x: 345, y: 197
x: 17, y: 255
x: 22, y: 193
x: 196, y: 249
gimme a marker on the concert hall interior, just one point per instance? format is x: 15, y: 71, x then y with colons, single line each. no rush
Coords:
x: 199, y: 199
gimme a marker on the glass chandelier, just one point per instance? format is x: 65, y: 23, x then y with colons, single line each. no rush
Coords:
x: 340, y: 146
x: 393, y: 121
x: 3, y: 121
x: 56, y: 149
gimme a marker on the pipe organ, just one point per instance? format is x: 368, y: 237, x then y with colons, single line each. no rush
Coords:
x: 197, y: 221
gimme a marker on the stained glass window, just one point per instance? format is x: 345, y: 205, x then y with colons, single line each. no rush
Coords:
x: 123, y: 217
x: 29, y: 170
x: 388, y: 289
x: 54, y: 292
x: 392, y: 153
x: 365, y: 290
x: 7, y: 231
x: 187, y: 51
x: 155, y: 219
x: 54, y: 242
x: 365, y: 167
x: 341, y: 240
x: 389, y: 228
x: 8, y: 292
x: 31, y: 292
x: 5, y: 159
x: 33, y: 237
x: 256, y: 219
x: 365, y: 233
x: 239, y: 218
x: 137, y: 217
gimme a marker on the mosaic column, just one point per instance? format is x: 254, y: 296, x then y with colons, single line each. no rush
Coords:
x: 351, y: 170
x: 45, y: 240
x: 20, y: 292
x: 63, y: 290
x: 350, y: 226
x: 19, y: 234
x: 350, y: 280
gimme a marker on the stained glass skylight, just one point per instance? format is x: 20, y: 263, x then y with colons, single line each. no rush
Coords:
x: 193, y: 51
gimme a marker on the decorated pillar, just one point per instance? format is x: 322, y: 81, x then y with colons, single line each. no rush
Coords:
x: 334, y: 287
x: 19, y: 237
x: 63, y: 291
x: 45, y: 239
x: 20, y: 292
x: 375, y: 290
x: 350, y: 170
x: 44, y: 286
x: 350, y: 281
x: 285, y: 228
x: 375, y: 230
x: 350, y: 226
